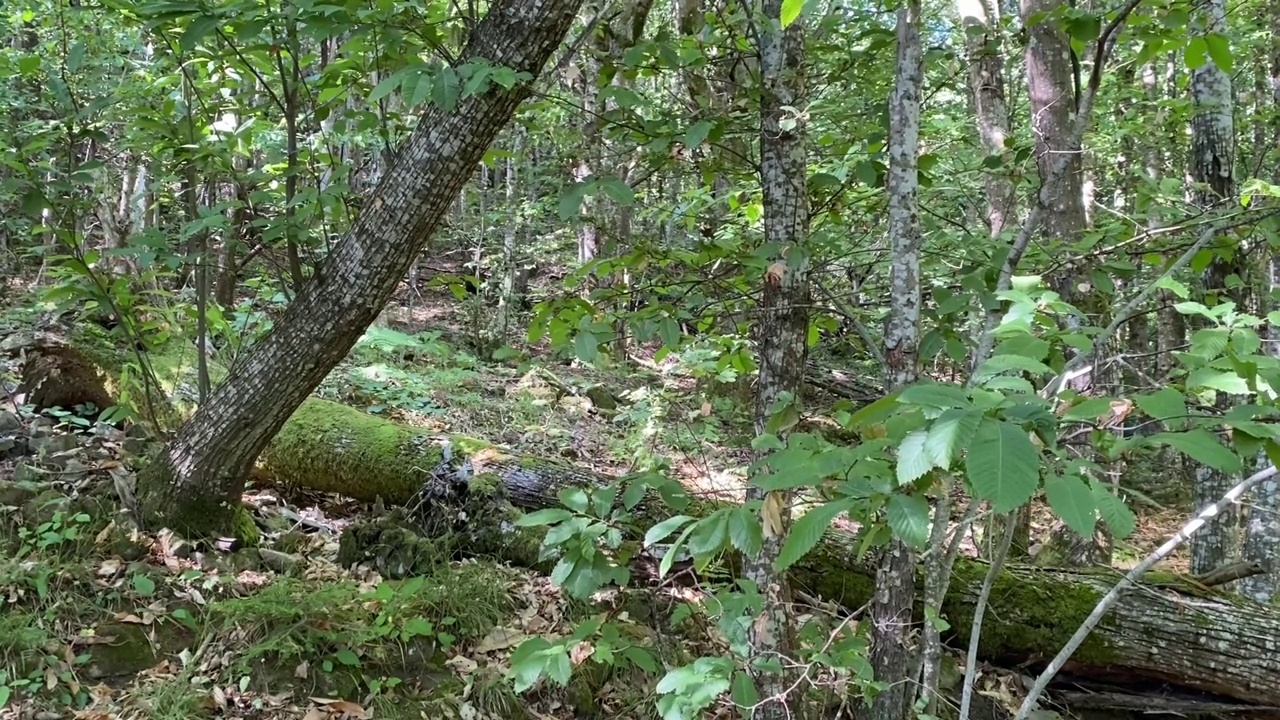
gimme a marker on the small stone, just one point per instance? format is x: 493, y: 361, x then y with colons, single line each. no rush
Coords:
x: 17, y: 494
x: 9, y: 421
x: 279, y: 562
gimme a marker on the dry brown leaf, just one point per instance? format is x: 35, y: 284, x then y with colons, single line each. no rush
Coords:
x: 500, y: 638
x: 771, y: 515
x: 775, y: 273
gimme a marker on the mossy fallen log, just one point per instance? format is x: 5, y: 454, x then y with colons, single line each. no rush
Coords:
x: 1166, y: 630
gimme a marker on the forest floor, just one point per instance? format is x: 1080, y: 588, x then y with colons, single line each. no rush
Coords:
x: 100, y: 621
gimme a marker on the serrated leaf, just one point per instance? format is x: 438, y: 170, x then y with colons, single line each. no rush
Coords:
x: 913, y: 461
x: 1196, y: 53
x: 1118, y: 517
x: 710, y: 533
x: 1219, y: 49
x: 937, y: 395
x: 744, y: 531
x: 1090, y: 409
x: 1002, y: 465
x: 1167, y: 405
x: 807, y: 531
x: 950, y: 432
x: 663, y: 529
x: 908, y: 517
x: 790, y: 11
x: 546, y: 516
x: 1007, y: 363
x: 1227, y: 381
x: 1073, y: 501
x: 1203, y: 447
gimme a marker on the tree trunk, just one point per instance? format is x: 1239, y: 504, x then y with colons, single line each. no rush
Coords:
x: 891, y: 652
x: 783, y: 329
x: 195, y: 484
x: 1168, y: 630
x: 983, y: 39
x: 1212, y: 163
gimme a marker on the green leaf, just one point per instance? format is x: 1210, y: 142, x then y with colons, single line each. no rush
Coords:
x: 1090, y: 409
x: 745, y: 532
x: 908, y: 517
x: 528, y: 662
x: 710, y: 533
x: 1167, y: 405
x: 1203, y: 447
x: 1196, y: 53
x: 547, y: 516
x: 743, y: 692
x: 144, y: 586
x: 697, y: 134
x: 808, y: 530
x: 1002, y: 465
x: 348, y: 657
x: 937, y: 395
x: 586, y: 346
x: 949, y: 433
x: 1114, y: 513
x: 790, y: 11
x: 571, y: 200
x: 1219, y: 49
x: 913, y: 460
x: 1073, y: 501
x: 196, y: 31
x: 574, y: 498
x: 1011, y: 363
x: 664, y: 528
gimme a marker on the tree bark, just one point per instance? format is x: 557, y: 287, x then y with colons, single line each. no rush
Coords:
x: 194, y: 485
x: 891, y: 652
x: 782, y: 332
x: 1212, y: 165
x: 1168, y: 630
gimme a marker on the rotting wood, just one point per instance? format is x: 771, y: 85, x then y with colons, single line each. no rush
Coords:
x: 1167, y: 630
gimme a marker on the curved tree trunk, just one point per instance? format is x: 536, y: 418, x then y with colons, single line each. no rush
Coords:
x: 1167, y: 630
x: 195, y: 483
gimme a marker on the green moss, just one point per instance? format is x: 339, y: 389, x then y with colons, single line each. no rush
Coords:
x: 1035, y: 613
x: 469, y: 445
x: 330, y: 447
x: 244, y: 529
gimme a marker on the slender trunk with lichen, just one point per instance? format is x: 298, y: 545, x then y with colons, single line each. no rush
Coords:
x: 782, y: 330
x: 891, y: 653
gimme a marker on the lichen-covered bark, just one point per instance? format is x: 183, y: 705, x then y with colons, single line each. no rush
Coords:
x: 1212, y: 164
x: 783, y: 328
x: 891, y: 651
x: 195, y: 484
x: 983, y: 36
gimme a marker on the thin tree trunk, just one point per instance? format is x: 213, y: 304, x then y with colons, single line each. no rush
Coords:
x: 1211, y: 167
x: 195, y: 483
x: 983, y: 37
x: 783, y: 327
x: 891, y: 609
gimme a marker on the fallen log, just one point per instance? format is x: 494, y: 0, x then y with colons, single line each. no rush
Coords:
x: 1168, y: 630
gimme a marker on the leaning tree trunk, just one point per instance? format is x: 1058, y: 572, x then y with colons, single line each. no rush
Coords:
x: 195, y: 483
x: 1168, y: 630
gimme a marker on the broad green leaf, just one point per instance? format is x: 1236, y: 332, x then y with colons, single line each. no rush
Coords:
x: 913, y: 461
x: 1027, y: 346
x: 1219, y: 49
x: 908, y: 517
x: 948, y: 434
x: 808, y: 530
x: 744, y: 691
x: 937, y: 395
x: 1007, y: 363
x: 744, y: 531
x: 1167, y: 405
x: 1073, y: 501
x: 710, y: 533
x: 1196, y: 53
x: 697, y: 134
x: 543, y: 517
x: 1227, y: 381
x: 790, y: 11
x: 586, y: 346
x: 527, y: 663
x: 1114, y: 512
x: 1203, y: 447
x: 1002, y: 465
x: 348, y: 657
x: 574, y: 498
x: 664, y: 528
x: 1090, y: 409
x: 143, y: 585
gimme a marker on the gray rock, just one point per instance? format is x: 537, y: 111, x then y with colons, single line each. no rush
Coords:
x: 280, y: 562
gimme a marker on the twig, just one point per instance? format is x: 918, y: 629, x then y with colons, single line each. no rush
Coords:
x: 1129, y: 579
x: 980, y: 609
